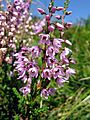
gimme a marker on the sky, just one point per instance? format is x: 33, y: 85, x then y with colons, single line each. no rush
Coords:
x: 79, y: 8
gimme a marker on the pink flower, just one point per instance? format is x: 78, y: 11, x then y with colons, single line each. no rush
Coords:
x: 69, y: 72
x: 33, y: 72
x: 57, y: 42
x: 44, y: 38
x: 46, y: 74
x: 57, y: 72
x: 25, y: 90
x: 51, y: 61
x: 8, y: 60
x: 35, y: 51
x: 17, y: 2
x: 50, y: 51
x: 61, y: 80
x: 64, y: 54
x: 47, y: 51
x: 22, y: 74
x: 51, y: 91
x: 47, y: 92
x: 38, y: 27
x: 44, y: 93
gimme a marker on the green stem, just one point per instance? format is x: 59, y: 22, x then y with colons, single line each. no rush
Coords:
x: 41, y: 104
x: 52, y: 2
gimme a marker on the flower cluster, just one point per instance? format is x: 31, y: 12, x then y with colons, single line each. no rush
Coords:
x: 26, y: 66
x: 55, y: 56
x: 10, y: 21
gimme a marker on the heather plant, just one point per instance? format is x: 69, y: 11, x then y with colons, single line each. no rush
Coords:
x: 45, y: 67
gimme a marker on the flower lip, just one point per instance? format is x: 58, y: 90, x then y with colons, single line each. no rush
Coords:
x: 47, y: 17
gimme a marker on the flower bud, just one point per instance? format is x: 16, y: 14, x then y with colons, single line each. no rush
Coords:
x: 60, y: 8
x: 68, y: 24
x: 68, y: 13
x: 72, y: 61
x: 59, y: 26
x: 68, y: 42
x: 51, y: 28
x: 40, y: 10
x: 58, y: 17
x: 53, y: 9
